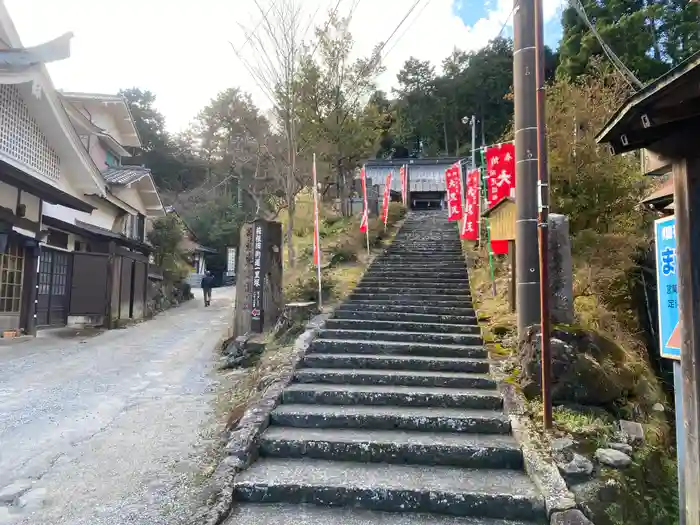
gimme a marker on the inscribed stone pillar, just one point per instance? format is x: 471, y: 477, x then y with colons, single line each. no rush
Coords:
x: 560, y: 270
x: 259, y: 280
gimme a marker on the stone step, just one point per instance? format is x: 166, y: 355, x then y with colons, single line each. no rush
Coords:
x: 416, y: 255
x: 403, y: 336
x: 420, y: 271
x: 427, y: 299
x: 418, y: 289
x: 290, y: 514
x: 391, y: 395
x: 506, y: 494
x: 387, y: 306
x: 422, y: 256
x: 391, y: 446
x: 408, y: 317
x: 409, y: 326
x: 421, y: 419
x: 380, y: 280
x: 425, y: 264
x: 373, y: 346
x: 396, y: 362
x: 370, y: 345
x: 408, y: 377
x: 413, y: 277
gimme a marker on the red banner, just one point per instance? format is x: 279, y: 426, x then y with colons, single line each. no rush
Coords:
x: 387, y: 195
x: 500, y: 180
x: 454, y: 193
x: 470, y: 228
x: 365, y: 213
x: 317, y: 233
x: 402, y: 175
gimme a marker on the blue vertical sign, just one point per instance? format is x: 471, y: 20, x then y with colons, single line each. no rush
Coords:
x: 669, y: 331
x: 667, y: 287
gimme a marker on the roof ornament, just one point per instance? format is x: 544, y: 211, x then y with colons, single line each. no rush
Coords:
x: 18, y: 65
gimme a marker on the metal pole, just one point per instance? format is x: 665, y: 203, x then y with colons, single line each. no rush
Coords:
x: 543, y: 179
x: 526, y: 237
x: 317, y: 236
x: 473, y: 142
x: 478, y: 238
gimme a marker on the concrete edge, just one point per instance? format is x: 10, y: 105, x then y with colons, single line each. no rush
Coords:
x: 560, y: 502
x: 242, y: 446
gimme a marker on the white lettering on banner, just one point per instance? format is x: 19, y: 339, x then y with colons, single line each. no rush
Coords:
x: 503, y: 178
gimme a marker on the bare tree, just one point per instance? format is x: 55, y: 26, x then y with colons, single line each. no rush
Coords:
x: 276, y: 43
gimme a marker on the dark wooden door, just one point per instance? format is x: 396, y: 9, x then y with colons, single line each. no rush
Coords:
x: 138, y: 306
x: 54, y: 290
x: 90, y: 284
x: 126, y: 288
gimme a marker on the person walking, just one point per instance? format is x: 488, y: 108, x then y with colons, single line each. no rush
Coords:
x: 207, y: 285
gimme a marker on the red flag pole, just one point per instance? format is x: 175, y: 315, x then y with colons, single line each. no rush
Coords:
x: 387, y: 196
x: 364, y: 223
x: 317, y: 235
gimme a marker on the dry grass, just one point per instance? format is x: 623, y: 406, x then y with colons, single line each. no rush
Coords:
x: 344, y: 254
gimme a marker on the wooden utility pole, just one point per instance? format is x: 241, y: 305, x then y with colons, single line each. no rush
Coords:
x: 524, y: 68
x: 543, y: 183
x: 686, y: 184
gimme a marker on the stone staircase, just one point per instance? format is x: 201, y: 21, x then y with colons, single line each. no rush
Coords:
x: 393, y: 418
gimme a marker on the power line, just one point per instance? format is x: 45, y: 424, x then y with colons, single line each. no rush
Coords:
x: 407, y: 28
x: 328, y: 23
x: 505, y: 23
x: 629, y: 77
x: 380, y: 58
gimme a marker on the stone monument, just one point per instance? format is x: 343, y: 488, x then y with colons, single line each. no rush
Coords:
x: 259, y: 297
x: 561, y: 280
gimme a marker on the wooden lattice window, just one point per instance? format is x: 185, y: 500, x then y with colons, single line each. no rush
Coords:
x: 20, y: 136
x: 12, y: 270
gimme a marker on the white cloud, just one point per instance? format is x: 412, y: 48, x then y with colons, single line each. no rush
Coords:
x: 180, y: 49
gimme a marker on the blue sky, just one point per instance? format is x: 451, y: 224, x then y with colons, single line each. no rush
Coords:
x: 471, y: 11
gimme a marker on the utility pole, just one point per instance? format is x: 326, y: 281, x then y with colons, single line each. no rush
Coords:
x: 473, y: 119
x: 526, y: 236
x: 543, y: 180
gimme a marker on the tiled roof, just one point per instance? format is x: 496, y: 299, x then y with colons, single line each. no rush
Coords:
x: 125, y: 174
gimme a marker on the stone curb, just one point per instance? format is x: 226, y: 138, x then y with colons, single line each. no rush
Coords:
x: 560, y: 502
x: 242, y: 444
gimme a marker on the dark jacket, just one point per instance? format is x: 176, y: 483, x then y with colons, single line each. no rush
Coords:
x: 208, y: 282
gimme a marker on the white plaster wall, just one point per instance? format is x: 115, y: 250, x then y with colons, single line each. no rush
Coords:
x: 8, y: 196
x: 103, y: 119
x: 131, y: 196
x: 102, y: 216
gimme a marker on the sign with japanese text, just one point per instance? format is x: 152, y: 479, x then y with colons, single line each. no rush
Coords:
x: 470, y: 228
x: 231, y: 261
x: 667, y: 287
x: 500, y: 175
x: 453, y: 184
x: 258, y: 281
